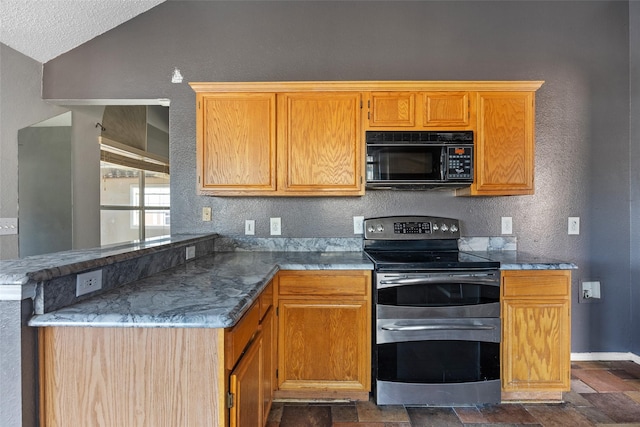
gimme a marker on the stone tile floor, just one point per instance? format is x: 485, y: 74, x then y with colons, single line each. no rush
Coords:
x: 602, y: 394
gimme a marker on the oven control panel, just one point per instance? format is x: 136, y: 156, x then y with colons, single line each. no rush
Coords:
x: 411, y: 228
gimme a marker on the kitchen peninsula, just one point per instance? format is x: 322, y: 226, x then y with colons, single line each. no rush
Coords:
x: 177, y: 326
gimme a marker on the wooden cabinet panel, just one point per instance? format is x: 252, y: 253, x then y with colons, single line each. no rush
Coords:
x: 451, y: 109
x: 236, y: 139
x: 536, y: 335
x: 324, y: 331
x: 325, y: 283
x: 388, y: 109
x: 237, y: 338
x: 322, y: 345
x: 267, y: 327
x: 245, y: 384
x: 319, y: 144
x: 131, y: 377
x: 504, y: 144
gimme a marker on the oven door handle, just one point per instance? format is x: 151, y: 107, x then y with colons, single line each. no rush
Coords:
x: 451, y: 278
x: 437, y: 327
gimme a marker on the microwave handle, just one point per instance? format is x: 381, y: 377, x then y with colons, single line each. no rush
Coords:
x: 443, y: 165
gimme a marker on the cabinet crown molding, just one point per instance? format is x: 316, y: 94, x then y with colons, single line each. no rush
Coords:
x: 365, y: 86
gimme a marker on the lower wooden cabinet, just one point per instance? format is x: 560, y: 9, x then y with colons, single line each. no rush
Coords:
x: 324, y: 334
x: 536, y: 334
x: 251, y: 380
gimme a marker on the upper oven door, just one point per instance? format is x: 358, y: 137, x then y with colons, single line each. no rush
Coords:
x: 438, y: 289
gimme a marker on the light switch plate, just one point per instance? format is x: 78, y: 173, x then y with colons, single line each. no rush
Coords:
x: 250, y: 227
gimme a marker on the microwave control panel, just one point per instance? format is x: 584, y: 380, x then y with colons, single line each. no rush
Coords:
x: 459, y: 162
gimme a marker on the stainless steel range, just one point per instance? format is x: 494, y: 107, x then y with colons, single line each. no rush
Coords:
x: 436, y: 315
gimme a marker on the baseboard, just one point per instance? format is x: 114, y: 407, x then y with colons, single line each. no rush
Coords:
x: 604, y: 357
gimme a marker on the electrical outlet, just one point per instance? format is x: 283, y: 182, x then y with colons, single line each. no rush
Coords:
x: 573, y: 225
x: 358, y: 225
x: 8, y: 225
x: 276, y: 226
x: 88, y: 282
x: 250, y: 227
x: 589, y: 291
x: 191, y: 252
x: 507, y: 225
x: 206, y: 213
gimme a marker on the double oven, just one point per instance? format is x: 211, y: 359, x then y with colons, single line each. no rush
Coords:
x: 436, y: 320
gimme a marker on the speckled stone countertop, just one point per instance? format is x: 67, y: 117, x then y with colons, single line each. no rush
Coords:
x: 516, y: 260
x: 210, y: 292
x: 18, y: 277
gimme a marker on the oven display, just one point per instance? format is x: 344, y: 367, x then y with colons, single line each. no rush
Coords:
x: 412, y: 228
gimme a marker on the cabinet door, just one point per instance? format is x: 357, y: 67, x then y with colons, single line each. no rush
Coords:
x: 504, y: 144
x: 236, y: 145
x: 319, y: 144
x: 388, y: 109
x: 269, y: 365
x: 323, y: 345
x: 447, y: 109
x: 245, y: 385
x: 536, y: 332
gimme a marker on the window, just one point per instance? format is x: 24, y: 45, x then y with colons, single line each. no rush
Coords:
x: 134, y: 203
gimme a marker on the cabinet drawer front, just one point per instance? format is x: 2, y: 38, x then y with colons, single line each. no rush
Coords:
x: 540, y: 284
x: 315, y: 284
x: 237, y: 338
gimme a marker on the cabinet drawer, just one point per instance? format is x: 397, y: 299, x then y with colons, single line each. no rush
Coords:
x: 539, y: 284
x: 326, y: 283
x: 237, y: 337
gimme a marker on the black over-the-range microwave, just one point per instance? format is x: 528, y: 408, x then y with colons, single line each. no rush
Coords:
x: 414, y: 160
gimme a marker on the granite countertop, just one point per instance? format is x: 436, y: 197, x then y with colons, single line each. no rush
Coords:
x: 209, y: 292
x: 517, y: 260
x: 19, y: 276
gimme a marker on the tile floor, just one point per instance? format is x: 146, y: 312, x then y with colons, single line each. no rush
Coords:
x: 602, y: 394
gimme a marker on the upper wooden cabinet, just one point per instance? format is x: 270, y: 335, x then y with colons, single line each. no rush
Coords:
x: 421, y: 110
x: 307, y: 138
x: 236, y: 142
x: 504, y: 156
x: 279, y: 144
x: 319, y: 144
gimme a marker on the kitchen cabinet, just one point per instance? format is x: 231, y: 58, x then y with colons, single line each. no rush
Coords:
x: 319, y: 144
x: 324, y: 330
x: 421, y: 110
x: 279, y: 144
x: 160, y: 376
x: 536, y: 335
x: 236, y: 143
x: 504, y: 155
x: 249, y: 349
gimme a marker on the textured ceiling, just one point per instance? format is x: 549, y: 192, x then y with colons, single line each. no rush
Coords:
x: 44, y: 29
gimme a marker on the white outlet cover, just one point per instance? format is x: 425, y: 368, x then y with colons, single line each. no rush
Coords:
x: 275, y: 226
x: 573, y: 226
x: 191, y: 252
x: 507, y: 225
x: 88, y: 282
x: 358, y: 225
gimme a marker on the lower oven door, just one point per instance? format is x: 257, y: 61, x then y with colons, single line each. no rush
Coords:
x: 438, y: 361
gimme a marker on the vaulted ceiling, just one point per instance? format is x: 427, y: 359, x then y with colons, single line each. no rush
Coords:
x: 45, y: 29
